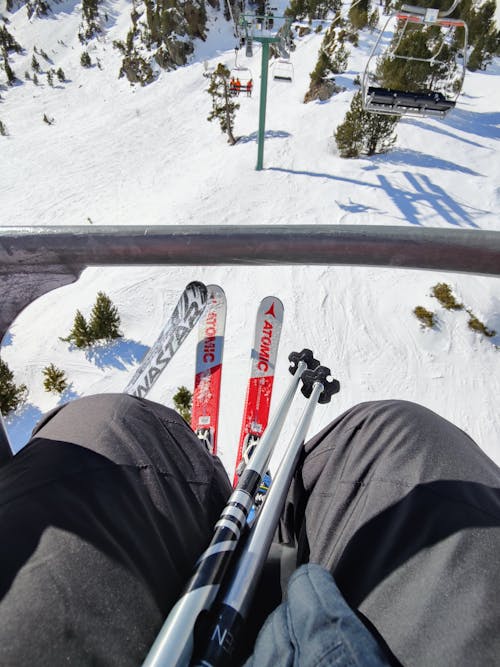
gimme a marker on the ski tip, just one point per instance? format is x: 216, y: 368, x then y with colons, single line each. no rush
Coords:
x: 271, y: 305
x: 197, y: 285
x: 215, y: 291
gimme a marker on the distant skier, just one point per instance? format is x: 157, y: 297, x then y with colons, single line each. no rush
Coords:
x: 249, y: 88
x: 105, y: 511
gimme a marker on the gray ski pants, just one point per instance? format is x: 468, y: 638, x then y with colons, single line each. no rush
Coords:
x: 104, y: 513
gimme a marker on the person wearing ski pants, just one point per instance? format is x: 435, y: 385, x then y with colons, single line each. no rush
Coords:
x: 395, y: 513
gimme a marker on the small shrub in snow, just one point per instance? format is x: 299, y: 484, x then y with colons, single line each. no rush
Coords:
x: 476, y: 325
x: 183, y: 402
x: 444, y: 295
x: 425, y: 317
x: 3, y: 129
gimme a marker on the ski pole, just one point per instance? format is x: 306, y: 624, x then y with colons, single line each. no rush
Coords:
x: 174, y: 644
x: 239, y: 593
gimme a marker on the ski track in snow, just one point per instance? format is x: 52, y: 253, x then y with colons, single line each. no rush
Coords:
x: 118, y: 154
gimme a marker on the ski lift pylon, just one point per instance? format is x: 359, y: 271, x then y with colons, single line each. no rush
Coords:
x: 282, y: 70
x: 438, y: 94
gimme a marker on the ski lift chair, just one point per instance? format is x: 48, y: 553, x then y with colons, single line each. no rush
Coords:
x: 283, y: 70
x: 442, y: 95
x: 244, y: 76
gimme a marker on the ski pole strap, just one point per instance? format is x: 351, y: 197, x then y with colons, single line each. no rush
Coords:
x: 222, y: 638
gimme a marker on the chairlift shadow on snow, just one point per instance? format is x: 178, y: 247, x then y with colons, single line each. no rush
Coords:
x: 411, y: 158
x: 120, y: 354
x: 475, y: 122
x: 422, y: 195
x: 441, y: 129
x: 426, y: 195
x: 269, y: 134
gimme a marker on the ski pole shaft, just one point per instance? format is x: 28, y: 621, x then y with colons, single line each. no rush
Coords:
x: 174, y: 645
x: 240, y: 590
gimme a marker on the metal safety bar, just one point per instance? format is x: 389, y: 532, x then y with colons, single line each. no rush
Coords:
x: 36, y: 260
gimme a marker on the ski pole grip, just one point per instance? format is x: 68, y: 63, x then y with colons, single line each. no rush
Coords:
x: 319, y: 374
x: 306, y: 356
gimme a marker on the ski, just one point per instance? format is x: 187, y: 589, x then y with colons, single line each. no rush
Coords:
x: 208, y: 372
x: 260, y: 384
x: 184, y: 317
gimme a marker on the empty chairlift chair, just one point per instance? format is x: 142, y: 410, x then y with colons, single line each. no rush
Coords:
x: 282, y: 70
x: 428, y: 52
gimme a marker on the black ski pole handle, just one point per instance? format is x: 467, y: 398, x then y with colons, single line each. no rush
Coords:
x: 319, y: 374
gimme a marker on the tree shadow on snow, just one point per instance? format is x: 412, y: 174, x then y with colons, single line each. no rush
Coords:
x: 68, y: 395
x: 7, y: 339
x: 120, y: 354
x: 21, y: 424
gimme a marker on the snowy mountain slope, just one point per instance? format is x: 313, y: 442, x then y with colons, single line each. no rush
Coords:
x: 118, y: 154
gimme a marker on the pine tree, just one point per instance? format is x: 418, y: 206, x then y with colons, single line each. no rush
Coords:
x: 358, y: 14
x: 104, y: 321
x: 80, y: 334
x: 3, y: 129
x: 11, y: 395
x: 364, y: 133
x: 223, y: 106
x: 54, y: 379
x: 421, y: 73
x: 484, y: 36
x: 11, y: 77
x: 182, y: 402
x: 332, y: 59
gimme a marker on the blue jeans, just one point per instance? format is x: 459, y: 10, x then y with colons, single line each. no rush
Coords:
x: 315, y: 627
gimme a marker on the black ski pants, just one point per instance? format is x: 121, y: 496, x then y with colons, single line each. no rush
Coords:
x: 106, y: 510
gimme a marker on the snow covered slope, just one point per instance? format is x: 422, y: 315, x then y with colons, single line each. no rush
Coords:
x: 117, y: 154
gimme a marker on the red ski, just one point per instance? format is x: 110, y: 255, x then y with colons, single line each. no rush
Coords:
x: 260, y: 385
x: 208, y: 373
